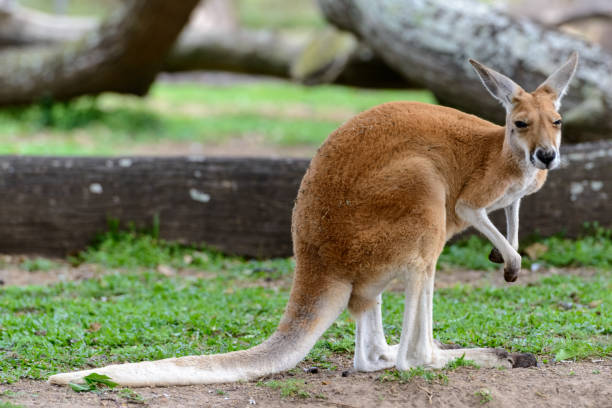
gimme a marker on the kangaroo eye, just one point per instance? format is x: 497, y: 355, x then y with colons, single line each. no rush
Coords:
x: 520, y: 124
x: 557, y: 122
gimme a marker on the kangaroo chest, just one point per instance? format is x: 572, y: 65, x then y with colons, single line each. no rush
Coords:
x: 529, y: 184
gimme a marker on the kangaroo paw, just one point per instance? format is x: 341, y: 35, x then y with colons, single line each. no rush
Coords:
x: 496, y: 256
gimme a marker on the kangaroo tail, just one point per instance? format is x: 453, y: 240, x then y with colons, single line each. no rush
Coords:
x: 308, y: 314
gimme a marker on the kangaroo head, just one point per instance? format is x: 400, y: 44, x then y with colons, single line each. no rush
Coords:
x: 533, y: 125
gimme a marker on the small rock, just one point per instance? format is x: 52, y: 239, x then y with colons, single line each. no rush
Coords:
x: 595, y: 303
x: 165, y: 270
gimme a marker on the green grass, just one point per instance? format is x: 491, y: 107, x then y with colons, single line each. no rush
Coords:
x: 140, y: 314
x: 283, y: 95
x: 131, y: 250
x: 593, y: 249
x: 461, y: 362
x: 274, y: 113
x: 429, y: 376
x: 280, y: 14
x: 38, y: 264
x: 288, y: 388
x: 270, y: 14
x: 484, y: 396
x: 8, y: 404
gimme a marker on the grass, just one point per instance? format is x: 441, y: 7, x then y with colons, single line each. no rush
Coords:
x: 37, y: 264
x: 270, y: 14
x: 140, y: 314
x: 593, y: 249
x: 461, y: 362
x: 484, y: 396
x: 429, y: 376
x: 288, y: 388
x: 279, y: 14
x: 271, y: 113
x: 8, y: 404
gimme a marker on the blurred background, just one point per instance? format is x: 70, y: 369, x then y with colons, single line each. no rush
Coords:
x: 123, y: 250
x: 256, y: 77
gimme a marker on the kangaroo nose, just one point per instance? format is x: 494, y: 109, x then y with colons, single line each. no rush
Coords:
x: 546, y: 156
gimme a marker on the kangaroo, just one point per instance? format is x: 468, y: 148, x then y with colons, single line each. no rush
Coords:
x: 381, y: 197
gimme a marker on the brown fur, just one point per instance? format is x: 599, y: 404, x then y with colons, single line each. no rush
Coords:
x: 382, y: 189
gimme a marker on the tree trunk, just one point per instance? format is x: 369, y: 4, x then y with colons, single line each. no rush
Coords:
x: 263, y: 52
x: 429, y: 42
x: 123, y: 55
x: 221, y: 47
x: 591, y: 19
x: 259, y: 52
x: 20, y: 26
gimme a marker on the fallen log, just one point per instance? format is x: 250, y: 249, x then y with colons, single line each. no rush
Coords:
x: 57, y: 205
x: 429, y: 42
x: 265, y: 52
x: 214, y: 47
x: 123, y: 54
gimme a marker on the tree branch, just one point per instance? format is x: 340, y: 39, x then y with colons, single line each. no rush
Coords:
x: 123, y: 54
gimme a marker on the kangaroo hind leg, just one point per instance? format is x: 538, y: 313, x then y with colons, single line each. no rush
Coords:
x: 372, y: 353
x: 417, y: 346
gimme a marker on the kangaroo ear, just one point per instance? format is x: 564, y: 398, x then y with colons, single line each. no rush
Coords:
x: 500, y: 86
x: 559, y: 80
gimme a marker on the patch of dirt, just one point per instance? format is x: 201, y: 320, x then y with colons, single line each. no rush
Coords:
x: 584, y: 384
x: 451, y: 277
x: 13, y: 273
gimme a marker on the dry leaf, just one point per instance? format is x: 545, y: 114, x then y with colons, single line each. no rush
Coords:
x: 166, y: 270
x: 94, y: 327
x: 534, y: 251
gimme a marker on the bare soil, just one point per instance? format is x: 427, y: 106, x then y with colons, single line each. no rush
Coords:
x: 564, y: 384
x: 584, y: 384
x: 12, y: 273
